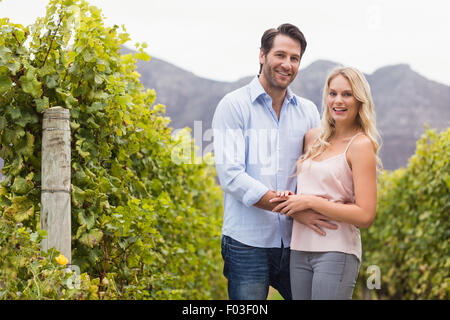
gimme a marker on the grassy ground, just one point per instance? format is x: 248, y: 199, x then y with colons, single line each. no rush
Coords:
x: 274, y: 294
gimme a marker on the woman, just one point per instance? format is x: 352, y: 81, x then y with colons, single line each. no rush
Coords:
x: 337, y: 178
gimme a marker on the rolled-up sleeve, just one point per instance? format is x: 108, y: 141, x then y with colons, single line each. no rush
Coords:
x: 229, y: 155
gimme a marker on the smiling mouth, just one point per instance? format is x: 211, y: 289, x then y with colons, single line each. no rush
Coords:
x: 284, y: 74
x: 339, y: 110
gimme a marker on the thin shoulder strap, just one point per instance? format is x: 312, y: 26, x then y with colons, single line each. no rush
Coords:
x: 351, y: 140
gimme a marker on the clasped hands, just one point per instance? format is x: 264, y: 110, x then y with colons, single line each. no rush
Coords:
x: 290, y: 203
x: 299, y: 208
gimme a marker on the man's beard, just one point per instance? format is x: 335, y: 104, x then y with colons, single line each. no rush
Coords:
x: 269, y: 74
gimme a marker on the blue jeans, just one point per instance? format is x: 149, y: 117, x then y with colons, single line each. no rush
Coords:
x: 250, y: 270
x: 323, y: 275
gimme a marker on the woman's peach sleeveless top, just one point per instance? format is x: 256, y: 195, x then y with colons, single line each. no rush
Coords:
x: 332, y: 179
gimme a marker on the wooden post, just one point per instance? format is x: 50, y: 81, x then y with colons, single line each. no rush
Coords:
x: 55, y: 194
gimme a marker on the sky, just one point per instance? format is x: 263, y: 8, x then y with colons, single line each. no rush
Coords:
x: 220, y: 40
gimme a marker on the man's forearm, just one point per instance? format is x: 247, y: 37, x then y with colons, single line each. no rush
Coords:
x: 264, y: 203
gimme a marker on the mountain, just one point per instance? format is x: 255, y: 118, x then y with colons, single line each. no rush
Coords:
x: 404, y: 100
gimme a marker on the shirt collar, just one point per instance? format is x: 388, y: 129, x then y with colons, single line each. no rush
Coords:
x: 291, y: 97
x: 256, y: 90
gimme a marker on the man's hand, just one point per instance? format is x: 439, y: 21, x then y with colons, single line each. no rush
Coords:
x: 289, y: 204
x: 264, y: 203
x: 314, y: 221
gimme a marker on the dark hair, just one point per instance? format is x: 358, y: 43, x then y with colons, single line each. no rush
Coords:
x: 286, y: 29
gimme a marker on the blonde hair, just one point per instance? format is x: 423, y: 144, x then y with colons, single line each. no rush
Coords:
x: 366, y: 115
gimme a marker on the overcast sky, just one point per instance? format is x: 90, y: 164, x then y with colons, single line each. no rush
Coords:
x: 220, y: 39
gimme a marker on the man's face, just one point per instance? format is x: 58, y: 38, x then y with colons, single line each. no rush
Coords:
x: 280, y: 65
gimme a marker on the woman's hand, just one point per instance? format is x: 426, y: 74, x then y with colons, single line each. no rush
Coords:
x: 315, y: 221
x: 292, y: 203
x: 284, y: 193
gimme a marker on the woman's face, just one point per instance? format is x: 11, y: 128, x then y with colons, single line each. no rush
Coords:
x: 341, y: 103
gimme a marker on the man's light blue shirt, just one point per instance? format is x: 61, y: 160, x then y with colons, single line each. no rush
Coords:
x: 255, y: 152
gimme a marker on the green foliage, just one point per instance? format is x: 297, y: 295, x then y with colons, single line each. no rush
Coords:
x: 25, y: 274
x: 143, y: 226
x: 409, y: 239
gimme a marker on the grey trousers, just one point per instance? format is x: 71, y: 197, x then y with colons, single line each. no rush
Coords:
x: 323, y: 275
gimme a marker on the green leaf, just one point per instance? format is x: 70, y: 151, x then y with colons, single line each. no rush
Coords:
x: 70, y: 101
x: 14, y: 112
x: 5, y: 53
x: 26, y: 146
x: 78, y: 196
x: 46, y: 70
x: 30, y: 84
x: 41, y: 104
x: 20, y: 186
x: 91, y: 238
x: 88, y: 55
x: 5, y: 83
x: 52, y: 81
x: 96, y: 106
x: 92, y: 123
x: 98, y: 79
x: 24, y: 120
x: 143, y: 56
x: 25, y: 214
x: 3, y: 123
x: 82, y: 153
x: 86, y: 217
x: 10, y: 136
x: 21, y: 209
x: 156, y: 186
x: 38, y: 236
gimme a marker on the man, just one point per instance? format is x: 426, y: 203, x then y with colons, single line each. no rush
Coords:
x: 258, y: 137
